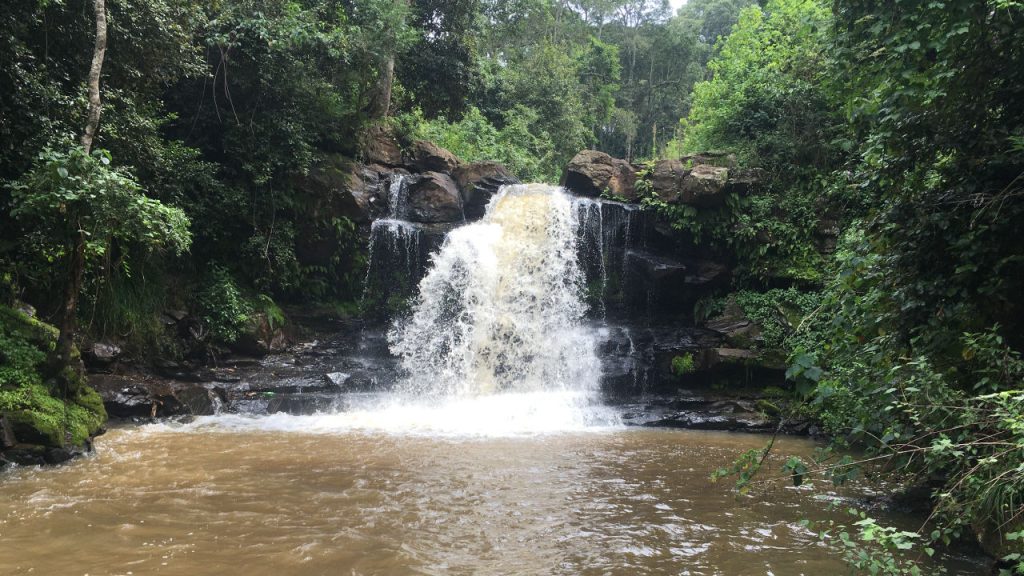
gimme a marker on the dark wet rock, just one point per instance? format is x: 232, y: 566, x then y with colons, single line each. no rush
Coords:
x: 337, y: 378
x: 26, y: 455
x: 301, y: 404
x: 100, y: 355
x: 593, y: 173
x: 142, y: 396
x: 60, y: 454
x: 25, y: 430
x: 746, y: 180
x: 434, y: 198
x: 7, y: 437
x: 748, y: 410
x: 743, y: 357
x: 739, y: 330
x: 479, y: 181
x: 381, y: 147
x: 127, y: 401
x: 636, y: 360
x: 667, y: 180
x: 335, y: 187
x: 657, y: 283
x: 199, y: 401
x: 425, y: 156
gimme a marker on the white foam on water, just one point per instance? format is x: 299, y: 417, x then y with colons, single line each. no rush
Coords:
x: 513, y: 414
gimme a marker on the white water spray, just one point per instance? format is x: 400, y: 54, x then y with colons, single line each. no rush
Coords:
x: 501, y: 308
x: 498, y: 322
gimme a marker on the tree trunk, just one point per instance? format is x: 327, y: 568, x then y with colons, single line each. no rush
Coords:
x: 76, y: 251
x: 380, y: 104
x: 99, y: 51
x: 69, y: 314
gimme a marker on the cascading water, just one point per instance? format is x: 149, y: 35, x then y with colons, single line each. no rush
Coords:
x: 606, y: 232
x: 499, y: 318
x: 497, y: 342
x: 394, y: 251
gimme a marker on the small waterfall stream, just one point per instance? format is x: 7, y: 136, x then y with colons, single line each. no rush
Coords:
x: 395, y: 251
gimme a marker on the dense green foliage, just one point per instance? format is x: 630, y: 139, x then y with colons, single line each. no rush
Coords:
x: 220, y: 111
x: 884, y: 256
x: 771, y: 101
x: 901, y: 125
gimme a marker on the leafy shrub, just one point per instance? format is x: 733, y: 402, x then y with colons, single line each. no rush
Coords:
x: 778, y: 311
x: 525, y: 150
x: 682, y: 365
x: 223, y: 308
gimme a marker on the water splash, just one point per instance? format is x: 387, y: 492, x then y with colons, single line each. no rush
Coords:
x: 501, y: 308
x: 513, y: 414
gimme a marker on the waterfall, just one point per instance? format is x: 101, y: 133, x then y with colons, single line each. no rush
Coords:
x: 394, y: 251
x: 606, y: 232
x: 501, y: 309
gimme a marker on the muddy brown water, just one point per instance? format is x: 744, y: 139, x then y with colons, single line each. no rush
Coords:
x: 197, y: 501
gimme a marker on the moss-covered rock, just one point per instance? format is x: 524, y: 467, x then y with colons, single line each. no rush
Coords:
x: 35, y: 427
x: 42, y: 402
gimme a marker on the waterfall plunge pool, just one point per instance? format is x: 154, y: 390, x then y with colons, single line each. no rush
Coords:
x: 304, y: 495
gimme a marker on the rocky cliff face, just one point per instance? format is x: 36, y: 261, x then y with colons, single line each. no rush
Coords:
x: 648, y: 280
x: 644, y: 281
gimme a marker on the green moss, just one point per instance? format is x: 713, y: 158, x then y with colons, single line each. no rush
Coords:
x: 36, y: 427
x: 682, y: 365
x: 92, y: 402
x: 768, y: 407
x: 28, y: 328
x: 34, y: 408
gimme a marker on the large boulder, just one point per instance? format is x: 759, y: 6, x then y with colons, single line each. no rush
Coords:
x: 425, y: 156
x: 479, y: 181
x: 593, y: 173
x: 746, y: 180
x: 739, y: 330
x: 336, y: 186
x: 145, y: 396
x: 101, y: 355
x: 667, y: 179
x: 705, y: 185
x: 657, y: 284
x: 434, y: 198
x: 381, y: 147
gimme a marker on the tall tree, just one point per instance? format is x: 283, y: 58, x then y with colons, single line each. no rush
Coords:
x: 76, y: 253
